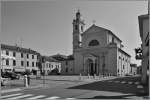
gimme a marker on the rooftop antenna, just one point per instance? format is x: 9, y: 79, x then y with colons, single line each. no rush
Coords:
x: 21, y: 42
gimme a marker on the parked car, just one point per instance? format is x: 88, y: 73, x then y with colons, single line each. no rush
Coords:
x: 10, y: 75
x: 3, y: 80
x: 54, y: 72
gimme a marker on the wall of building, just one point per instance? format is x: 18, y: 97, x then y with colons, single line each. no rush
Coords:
x: 133, y: 70
x: 78, y: 63
x: 48, y: 66
x: 18, y: 67
x: 100, y: 36
x: 123, y: 66
x: 145, y: 50
x: 110, y: 39
x: 111, y: 60
x: 67, y: 67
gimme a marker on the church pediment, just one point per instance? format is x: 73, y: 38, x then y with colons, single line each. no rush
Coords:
x: 94, y: 29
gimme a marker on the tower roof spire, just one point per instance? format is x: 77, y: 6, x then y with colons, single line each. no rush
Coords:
x: 78, y: 15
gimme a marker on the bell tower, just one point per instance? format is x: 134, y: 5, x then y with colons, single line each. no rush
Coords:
x: 78, y: 26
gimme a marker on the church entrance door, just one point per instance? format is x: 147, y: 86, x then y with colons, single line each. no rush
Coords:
x: 91, y: 67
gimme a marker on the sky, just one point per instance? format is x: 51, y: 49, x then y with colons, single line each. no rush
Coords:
x: 46, y: 26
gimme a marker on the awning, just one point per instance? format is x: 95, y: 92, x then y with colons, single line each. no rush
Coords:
x: 35, y: 68
x: 7, y: 57
x: 19, y: 69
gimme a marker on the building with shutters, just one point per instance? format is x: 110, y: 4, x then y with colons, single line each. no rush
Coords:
x: 18, y: 59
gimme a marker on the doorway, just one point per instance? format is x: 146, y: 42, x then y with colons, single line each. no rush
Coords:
x: 91, y: 67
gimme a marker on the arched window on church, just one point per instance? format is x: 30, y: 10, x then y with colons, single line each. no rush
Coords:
x: 93, y: 43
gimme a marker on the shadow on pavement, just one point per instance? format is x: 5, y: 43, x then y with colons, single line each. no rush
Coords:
x: 110, y: 97
x: 115, y: 87
x: 113, y: 97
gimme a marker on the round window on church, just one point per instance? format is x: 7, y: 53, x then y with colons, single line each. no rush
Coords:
x: 93, y: 43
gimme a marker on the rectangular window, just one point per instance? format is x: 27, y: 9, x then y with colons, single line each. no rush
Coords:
x: 66, y: 69
x: 27, y: 63
x: 21, y: 55
x: 32, y: 64
x: 36, y: 64
x: 22, y: 63
x: 112, y: 39
x: 66, y: 63
x: 7, y: 62
x: 27, y: 55
x: 7, y: 52
x: 32, y: 56
x: 14, y: 62
x: 14, y: 54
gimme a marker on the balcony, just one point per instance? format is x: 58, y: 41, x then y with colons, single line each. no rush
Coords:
x: 138, y: 53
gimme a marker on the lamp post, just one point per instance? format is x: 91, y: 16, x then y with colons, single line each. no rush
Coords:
x: 103, y: 66
x: 43, y: 62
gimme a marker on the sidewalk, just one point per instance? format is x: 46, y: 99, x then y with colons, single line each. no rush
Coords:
x: 72, y: 78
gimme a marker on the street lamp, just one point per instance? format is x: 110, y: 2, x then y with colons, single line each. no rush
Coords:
x: 138, y: 52
x: 103, y: 65
x: 43, y: 61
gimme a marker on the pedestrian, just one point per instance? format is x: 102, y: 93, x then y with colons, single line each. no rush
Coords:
x: 28, y: 78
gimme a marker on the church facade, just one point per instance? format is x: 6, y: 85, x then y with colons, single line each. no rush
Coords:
x: 98, y: 51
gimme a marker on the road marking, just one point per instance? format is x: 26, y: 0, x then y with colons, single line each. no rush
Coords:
x: 37, y: 97
x: 137, y: 83
x: 6, y: 96
x: 131, y: 97
x: 130, y: 82
x: 22, y: 96
x: 140, y: 86
x: 123, y: 82
x: 109, y: 81
x: 10, y: 90
x: 70, y: 98
x: 116, y: 81
x: 53, y: 97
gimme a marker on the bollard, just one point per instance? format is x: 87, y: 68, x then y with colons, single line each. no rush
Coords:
x: 88, y: 76
x: 28, y: 79
x: 80, y: 76
x: 94, y: 76
x: 25, y: 81
x: 99, y: 75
